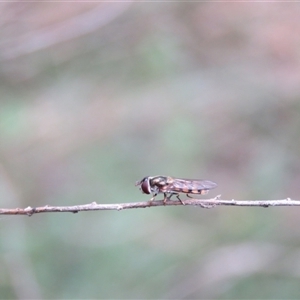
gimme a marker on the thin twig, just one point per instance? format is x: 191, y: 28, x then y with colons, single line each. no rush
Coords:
x: 204, y: 203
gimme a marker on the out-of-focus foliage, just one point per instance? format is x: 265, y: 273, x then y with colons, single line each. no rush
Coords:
x: 94, y: 96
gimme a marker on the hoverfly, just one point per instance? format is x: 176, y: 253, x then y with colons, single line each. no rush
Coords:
x: 170, y: 186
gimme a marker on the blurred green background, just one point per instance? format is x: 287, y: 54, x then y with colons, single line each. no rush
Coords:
x: 94, y: 96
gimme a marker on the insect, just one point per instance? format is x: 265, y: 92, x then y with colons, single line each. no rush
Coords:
x: 170, y: 186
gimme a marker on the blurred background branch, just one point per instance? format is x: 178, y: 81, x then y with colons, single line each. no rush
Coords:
x: 76, y: 26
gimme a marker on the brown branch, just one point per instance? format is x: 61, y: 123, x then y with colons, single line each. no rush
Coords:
x: 205, y: 203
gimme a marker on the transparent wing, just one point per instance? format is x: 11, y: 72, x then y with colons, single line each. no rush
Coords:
x: 194, y: 186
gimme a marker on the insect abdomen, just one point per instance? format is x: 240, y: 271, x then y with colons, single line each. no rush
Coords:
x: 197, y: 191
x: 190, y: 191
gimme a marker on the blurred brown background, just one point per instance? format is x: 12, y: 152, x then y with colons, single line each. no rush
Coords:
x: 94, y: 96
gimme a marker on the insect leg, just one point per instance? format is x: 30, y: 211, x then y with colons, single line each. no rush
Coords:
x: 150, y: 201
x: 177, y: 196
x: 166, y: 198
x: 189, y: 196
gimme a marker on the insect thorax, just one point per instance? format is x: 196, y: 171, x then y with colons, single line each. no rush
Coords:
x: 161, y: 181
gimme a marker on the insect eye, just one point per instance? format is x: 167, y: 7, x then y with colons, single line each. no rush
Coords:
x: 145, y: 186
